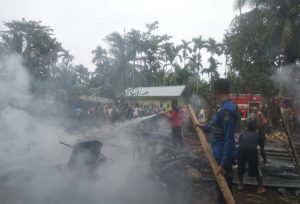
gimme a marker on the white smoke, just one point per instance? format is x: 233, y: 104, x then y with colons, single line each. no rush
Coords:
x: 288, y: 79
x: 28, y: 143
x: 14, y: 83
x: 33, y: 164
x: 197, y: 101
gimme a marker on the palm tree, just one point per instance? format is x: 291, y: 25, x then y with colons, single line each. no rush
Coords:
x: 199, y: 44
x: 66, y: 72
x: 194, y: 63
x: 82, y: 74
x: 238, y: 5
x: 181, y: 76
x: 212, y: 70
x: 67, y: 58
x: 119, y: 53
x: 170, y: 53
x: 194, y: 66
x: 186, y: 50
x: 134, y: 46
x: 100, y: 56
x: 159, y: 77
x: 213, y: 47
x: 117, y: 46
x: 151, y: 56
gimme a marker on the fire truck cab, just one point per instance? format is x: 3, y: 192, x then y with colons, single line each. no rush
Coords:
x: 246, y: 102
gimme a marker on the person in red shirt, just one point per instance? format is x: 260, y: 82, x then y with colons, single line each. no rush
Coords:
x: 175, y: 118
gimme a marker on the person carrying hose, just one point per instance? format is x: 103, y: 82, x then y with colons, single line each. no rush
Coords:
x: 176, y: 121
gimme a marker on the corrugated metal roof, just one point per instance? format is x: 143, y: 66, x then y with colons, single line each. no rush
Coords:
x: 159, y: 91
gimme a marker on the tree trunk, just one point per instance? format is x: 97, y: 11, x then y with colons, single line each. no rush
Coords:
x: 133, y: 73
x: 210, y: 81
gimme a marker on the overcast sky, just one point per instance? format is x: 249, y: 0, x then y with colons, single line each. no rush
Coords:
x: 81, y: 25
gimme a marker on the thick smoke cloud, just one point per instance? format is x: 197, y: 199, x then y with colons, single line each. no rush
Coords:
x: 288, y: 78
x: 28, y: 144
x: 33, y: 164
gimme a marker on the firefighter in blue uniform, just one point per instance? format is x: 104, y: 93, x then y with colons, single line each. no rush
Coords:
x: 222, y: 127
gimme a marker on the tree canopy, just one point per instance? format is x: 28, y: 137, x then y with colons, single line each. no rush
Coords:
x: 257, y: 45
x: 261, y: 42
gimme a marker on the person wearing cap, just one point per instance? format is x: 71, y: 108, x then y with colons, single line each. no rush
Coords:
x: 222, y: 127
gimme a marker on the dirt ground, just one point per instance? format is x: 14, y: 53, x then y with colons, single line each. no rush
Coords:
x: 249, y: 196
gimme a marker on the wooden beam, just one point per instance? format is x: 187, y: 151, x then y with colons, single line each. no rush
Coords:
x: 213, y: 163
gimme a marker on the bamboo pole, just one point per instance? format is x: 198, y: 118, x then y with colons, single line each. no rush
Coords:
x: 291, y: 144
x: 213, y: 163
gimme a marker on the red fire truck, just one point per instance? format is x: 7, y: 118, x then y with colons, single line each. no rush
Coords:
x: 246, y: 102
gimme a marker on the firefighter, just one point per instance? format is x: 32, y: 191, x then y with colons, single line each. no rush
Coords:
x: 222, y: 127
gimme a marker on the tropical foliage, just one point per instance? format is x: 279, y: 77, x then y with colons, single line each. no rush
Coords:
x: 258, y: 44
x: 261, y: 42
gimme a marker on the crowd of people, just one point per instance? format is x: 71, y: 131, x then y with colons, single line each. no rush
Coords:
x: 119, y: 112
x: 143, y: 110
